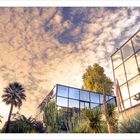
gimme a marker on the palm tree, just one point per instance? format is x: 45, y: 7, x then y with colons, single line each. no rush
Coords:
x: 13, y: 95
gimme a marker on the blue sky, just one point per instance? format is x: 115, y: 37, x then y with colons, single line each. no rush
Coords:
x: 40, y: 47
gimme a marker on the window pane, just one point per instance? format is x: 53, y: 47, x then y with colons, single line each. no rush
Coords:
x: 62, y: 102
x: 82, y: 105
x: 135, y: 99
x: 131, y: 68
x: 124, y: 92
x: 136, y: 41
x: 62, y: 91
x: 94, y: 97
x: 101, y: 99
x: 127, y: 104
x: 117, y: 59
x: 73, y: 103
x: 127, y: 50
x: 86, y: 105
x: 73, y: 93
x: 84, y: 95
x: 112, y: 101
x: 134, y: 86
x: 120, y: 75
x: 93, y: 105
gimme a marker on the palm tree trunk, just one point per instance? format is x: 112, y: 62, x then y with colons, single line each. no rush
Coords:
x: 8, y: 121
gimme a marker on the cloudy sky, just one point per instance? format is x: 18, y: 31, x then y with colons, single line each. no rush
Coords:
x: 40, y: 47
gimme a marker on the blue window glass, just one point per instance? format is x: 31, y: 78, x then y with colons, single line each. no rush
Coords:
x: 73, y: 103
x: 92, y: 105
x: 84, y: 95
x: 62, y: 102
x: 62, y: 91
x: 94, y: 97
x: 73, y: 93
x: 101, y: 99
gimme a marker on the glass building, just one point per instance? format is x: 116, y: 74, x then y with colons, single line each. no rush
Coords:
x: 70, y: 98
x: 126, y: 69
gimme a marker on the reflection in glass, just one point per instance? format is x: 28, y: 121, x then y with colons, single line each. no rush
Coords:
x: 120, y: 75
x: 117, y: 59
x: 127, y: 104
x: 84, y: 95
x: 92, y: 105
x: 94, y: 97
x: 73, y: 93
x: 62, y: 91
x: 127, y: 50
x: 73, y: 103
x: 131, y: 68
x: 86, y: 105
x: 136, y: 41
x: 134, y: 86
x: 82, y: 105
x: 62, y: 102
x: 124, y: 91
x: 101, y: 99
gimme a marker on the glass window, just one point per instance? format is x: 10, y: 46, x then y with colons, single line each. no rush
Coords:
x: 62, y: 91
x: 62, y: 102
x: 73, y: 103
x: 134, y: 86
x: 127, y: 104
x: 117, y: 59
x: 94, y: 97
x: 92, y: 105
x: 131, y: 68
x: 82, y: 105
x: 101, y: 99
x: 120, y: 75
x: 84, y: 95
x: 127, y: 50
x: 135, y: 99
x: 73, y: 93
x: 86, y: 105
x: 124, y: 91
x: 136, y: 41
x: 112, y: 101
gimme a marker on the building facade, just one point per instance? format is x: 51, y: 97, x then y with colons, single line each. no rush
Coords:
x: 70, y: 98
x: 126, y: 69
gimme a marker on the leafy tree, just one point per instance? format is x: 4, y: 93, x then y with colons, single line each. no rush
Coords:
x: 95, y: 80
x: 13, y: 95
x: 22, y: 124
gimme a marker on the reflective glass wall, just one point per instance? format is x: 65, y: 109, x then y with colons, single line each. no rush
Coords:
x: 126, y: 62
x: 70, y: 98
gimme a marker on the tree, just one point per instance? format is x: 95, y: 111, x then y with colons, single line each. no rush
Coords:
x: 95, y: 80
x: 50, y: 118
x: 112, y: 118
x: 13, y: 95
x: 22, y: 124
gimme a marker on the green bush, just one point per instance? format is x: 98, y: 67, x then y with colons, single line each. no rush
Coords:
x: 130, y: 125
